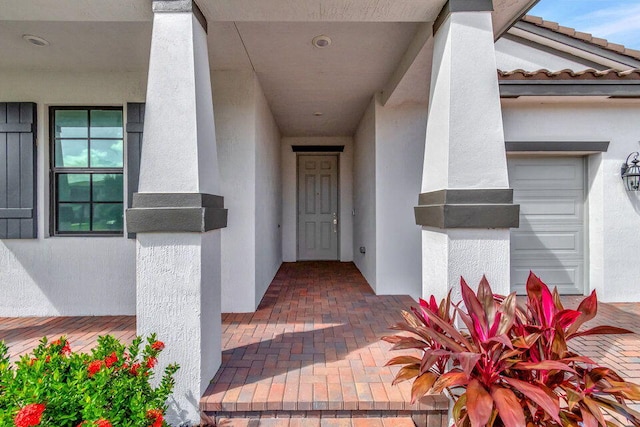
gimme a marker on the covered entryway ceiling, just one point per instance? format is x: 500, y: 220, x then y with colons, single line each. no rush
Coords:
x: 377, y: 46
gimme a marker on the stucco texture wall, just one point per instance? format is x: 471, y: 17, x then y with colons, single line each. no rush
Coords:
x: 249, y: 156
x: 268, y: 212
x: 364, y: 195
x: 400, y: 132
x: 68, y: 276
x: 613, y: 213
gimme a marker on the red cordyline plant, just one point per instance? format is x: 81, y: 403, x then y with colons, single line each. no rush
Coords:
x: 512, y: 367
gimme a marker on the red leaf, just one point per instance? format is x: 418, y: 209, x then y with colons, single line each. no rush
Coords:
x: 548, y: 306
x: 450, y: 379
x: 431, y: 357
x: 534, y: 286
x: 630, y: 414
x: 502, y: 339
x: 588, y: 420
x: 479, y: 404
x: 473, y: 304
x: 588, y: 307
x: 408, y: 342
x: 566, y: 318
x: 509, y: 408
x: 406, y: 373
x: 442, y: 339
x: 468, y: 361
x: 449, y: 329
x: 537, y: 394
x: 602, y: 330
x: 508, y: 310
x: 545, y: 365
x: 421, y: 385
x: 485, y: 296
x: 595, y: 410
x: 402, y: 360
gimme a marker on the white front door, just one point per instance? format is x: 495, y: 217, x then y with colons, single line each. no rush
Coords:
x: 317, y: 207
x: 551, y: 238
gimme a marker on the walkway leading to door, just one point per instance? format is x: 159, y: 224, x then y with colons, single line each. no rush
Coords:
x: 313, y: 350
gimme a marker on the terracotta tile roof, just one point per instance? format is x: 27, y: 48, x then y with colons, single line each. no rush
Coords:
x: 585, y: 37
x: 590, y: 74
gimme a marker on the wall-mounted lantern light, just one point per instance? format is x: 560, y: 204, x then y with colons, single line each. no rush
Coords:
x: 631, y: 172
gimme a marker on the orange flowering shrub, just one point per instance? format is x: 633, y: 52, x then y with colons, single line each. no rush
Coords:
x: 54, y: 387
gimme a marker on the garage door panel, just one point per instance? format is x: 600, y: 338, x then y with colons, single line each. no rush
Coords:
x: 540, y: 204
x: 531, y: 243
x: 563, y: 275
x: 550, y: 239
x: 548, y: 173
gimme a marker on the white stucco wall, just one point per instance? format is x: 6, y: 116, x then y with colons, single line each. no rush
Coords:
x: 290, y: 196
x: 234, y: 113
x: 268, y: 212
x: 249, y: 157
x: 399, y: 151
x: 67, y: 275
x: 514, y: 53
x: 364, y: 195
x: 613, y: 213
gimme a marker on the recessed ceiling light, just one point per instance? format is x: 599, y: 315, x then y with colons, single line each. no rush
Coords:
x: 321, y: 41
x: 317, y: 114
x: 35, y: 40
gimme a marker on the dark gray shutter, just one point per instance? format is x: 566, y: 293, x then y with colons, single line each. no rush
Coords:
x: 18, y: 170
x: 135, y: 125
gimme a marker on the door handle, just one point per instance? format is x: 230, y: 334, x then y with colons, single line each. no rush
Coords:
x: 335, y: 223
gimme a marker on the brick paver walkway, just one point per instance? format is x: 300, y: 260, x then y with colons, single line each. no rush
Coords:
x: 620, y: 352
x: 313, y: 345
x: 22, y: 334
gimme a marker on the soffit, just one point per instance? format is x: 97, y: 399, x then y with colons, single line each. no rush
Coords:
x: 76, y: 10
x: 369, y: 38
x: 76, y: 46
x: 339, y: 81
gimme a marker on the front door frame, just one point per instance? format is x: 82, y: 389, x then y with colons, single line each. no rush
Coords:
x: 335, y: 154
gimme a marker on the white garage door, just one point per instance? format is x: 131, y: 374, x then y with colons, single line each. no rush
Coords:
x: 550, y: 240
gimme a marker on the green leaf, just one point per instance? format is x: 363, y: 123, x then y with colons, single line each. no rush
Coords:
x: 458, y: 408
x: 479, y: 404
x: 509, y: 408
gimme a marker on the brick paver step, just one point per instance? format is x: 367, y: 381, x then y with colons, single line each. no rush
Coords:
x: 323, y: 419
x: 314, y: 422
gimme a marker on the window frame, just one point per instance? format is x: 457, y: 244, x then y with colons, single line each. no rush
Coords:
x: 55, y: 171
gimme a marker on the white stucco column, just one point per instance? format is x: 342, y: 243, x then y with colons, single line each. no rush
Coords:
x: 465, y: 207
x: 176, y: 213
